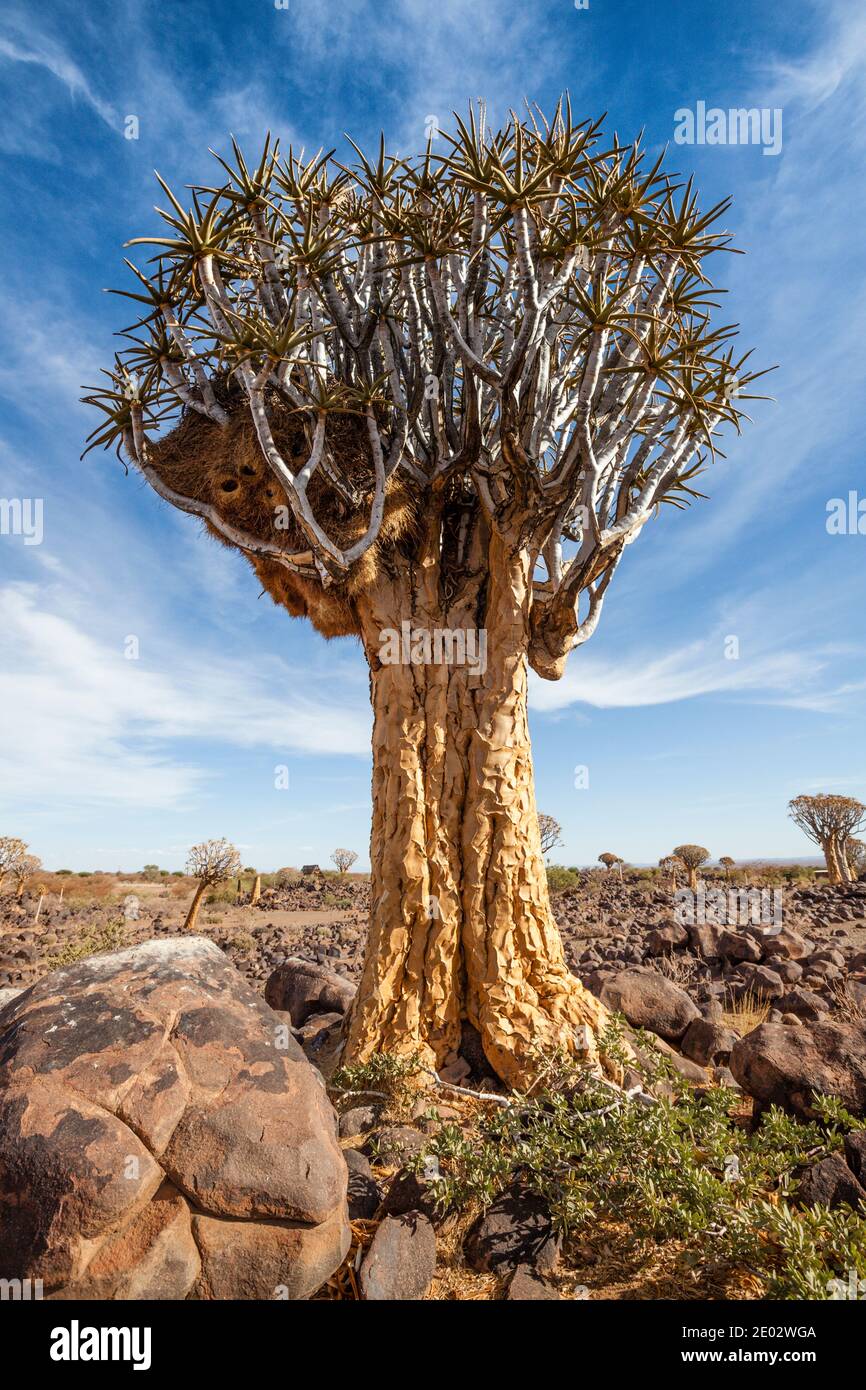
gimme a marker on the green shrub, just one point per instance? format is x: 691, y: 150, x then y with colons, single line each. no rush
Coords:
x: 687, y: 1171
x: 111, y: 936
x: 559, y: 878
x: 225, y: 893
x: 384, y: 1078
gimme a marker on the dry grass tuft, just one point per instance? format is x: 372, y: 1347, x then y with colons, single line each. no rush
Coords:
x: 682, y: 968
x: 746, y: 1013
x: 848, y: 1006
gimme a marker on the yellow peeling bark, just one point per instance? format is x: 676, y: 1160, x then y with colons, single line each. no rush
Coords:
x: 460, y: 920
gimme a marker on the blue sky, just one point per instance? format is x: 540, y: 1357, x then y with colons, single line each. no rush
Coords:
x: 109, y: 762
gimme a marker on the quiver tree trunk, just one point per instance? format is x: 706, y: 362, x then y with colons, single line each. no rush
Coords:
x: 460, y: 921
x: 831, y: 859
x: 192, y: 915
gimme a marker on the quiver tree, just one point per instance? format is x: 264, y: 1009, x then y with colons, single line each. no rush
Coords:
x: 692, y: 856
x: 211, y: 862
x: 549, y: 831
x: 12, y: 851
x: 855, y: 856
x: 671, y: 866
x: 437, y: 396
x: 22, y: 870
x: 830, y: 821
x: 611, y: 861
x: 727, y: 864
x: 344, y: 859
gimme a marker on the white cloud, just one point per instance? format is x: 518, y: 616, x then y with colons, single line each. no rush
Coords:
x: 46, y: 54
x: 699, y: 668
x: 83, y: 724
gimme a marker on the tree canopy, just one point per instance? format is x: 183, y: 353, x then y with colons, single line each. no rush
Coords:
x: 521, y: 322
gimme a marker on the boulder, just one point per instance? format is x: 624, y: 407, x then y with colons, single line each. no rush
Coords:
x: 359, y: 1120
x: 787, y: 944
x: 516, y: 1229
x: 779, y: 1065
x: 364, y: 1192
x: 411, y: 1191
x: 162, y: 1135
x: 704, y: 939
x: 830, y: 1183
x: 301, y: 988
x: 805, y: 1003
x: 651, y: 1001
x: 788, y: 970
x: 663, y: 940
x: 761, y: 981
x: 394, y: 1144
x: 707, y: 1043
x: 738, y: 946
x: 401, y: 1261
x: 855, y: 1153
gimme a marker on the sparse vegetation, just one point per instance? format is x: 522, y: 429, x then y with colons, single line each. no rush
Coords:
x: 109, y: 936
x: 559, y: 878
x: 389, y: 1079
x: 212, y: 862
x: 746, y: 1011
x: 344, y: 859
x: 692, y: 856
x: 688, y: 1173
x: 830, y: 821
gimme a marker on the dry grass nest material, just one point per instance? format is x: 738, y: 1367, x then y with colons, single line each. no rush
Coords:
x: 226, y: 468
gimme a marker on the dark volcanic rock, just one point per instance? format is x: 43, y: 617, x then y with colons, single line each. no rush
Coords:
x: 516, y: 1229
x: 525, y: 1286
x: 401, y: 1260
x: 394, y: 1144
x: 662, y: 940
x: 830, y: 1183
x: 651, y: 1001
x: 707, y: 1043
x: 302, y: 988
x: 780, y: 1065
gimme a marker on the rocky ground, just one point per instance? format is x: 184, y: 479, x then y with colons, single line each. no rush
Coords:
x: 774, y: 1011
x: 815, y: 964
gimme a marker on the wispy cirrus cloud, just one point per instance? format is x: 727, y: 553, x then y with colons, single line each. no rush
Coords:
x: 634, y: 679
x: 43, y: 52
